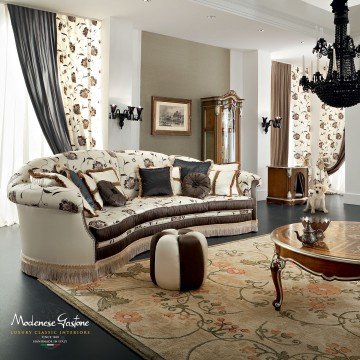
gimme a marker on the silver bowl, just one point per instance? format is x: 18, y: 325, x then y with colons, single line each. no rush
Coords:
x: 318, y: 224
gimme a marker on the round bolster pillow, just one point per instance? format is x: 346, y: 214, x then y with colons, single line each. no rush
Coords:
x: 178, y: 259
x: 196, y: 185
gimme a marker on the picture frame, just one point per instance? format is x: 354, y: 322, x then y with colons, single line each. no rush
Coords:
x: 170, y: 116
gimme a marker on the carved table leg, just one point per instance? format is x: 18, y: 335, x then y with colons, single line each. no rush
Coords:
x: 277, y: 265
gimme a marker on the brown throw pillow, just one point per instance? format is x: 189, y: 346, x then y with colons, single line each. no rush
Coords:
x: 110, y: 194
x: 196, y: 185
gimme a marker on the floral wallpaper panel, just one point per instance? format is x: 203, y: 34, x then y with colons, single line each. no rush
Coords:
x: 300, y: 108
x: 79, y: 61
x: 331, y: 132
x: 332, y: 125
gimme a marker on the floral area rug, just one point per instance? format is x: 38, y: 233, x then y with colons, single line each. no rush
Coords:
x: 231, y: 316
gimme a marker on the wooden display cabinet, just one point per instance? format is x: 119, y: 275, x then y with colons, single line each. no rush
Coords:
x: 288, y: 185
x: 221, y: 116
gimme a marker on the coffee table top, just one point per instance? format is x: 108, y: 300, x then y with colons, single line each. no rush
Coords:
x: 341, y: 242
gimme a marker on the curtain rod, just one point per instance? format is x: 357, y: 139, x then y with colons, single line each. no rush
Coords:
x: 42, y: 9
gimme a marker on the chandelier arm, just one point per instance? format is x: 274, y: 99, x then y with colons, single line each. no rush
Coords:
x: 321, y: 47
x: 357, y: 51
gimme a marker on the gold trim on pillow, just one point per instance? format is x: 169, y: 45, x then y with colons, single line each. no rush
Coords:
x: 43, y: 175
x: 217, y: 172
x: 102, y: 170
x: 137, y: 172
x: 232, y: 182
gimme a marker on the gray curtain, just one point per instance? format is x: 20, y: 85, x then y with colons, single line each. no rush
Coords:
x: 280, y: 106
x: 35, y: 38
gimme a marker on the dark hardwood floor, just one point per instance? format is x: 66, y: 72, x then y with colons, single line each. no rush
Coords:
x: 24, y: 295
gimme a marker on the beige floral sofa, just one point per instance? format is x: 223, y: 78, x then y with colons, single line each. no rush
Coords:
x: 60, y: 243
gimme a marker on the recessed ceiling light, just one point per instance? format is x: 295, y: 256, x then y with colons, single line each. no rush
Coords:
x: 261, y: 30
x: 146, y: 0
x: 302, y: 42
x: 211, y: 17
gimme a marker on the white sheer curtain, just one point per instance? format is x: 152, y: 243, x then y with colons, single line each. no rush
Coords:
x: 21, y: 138
x: 337, y: 180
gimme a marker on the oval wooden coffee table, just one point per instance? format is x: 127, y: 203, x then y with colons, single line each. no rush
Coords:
x: 337, y: 257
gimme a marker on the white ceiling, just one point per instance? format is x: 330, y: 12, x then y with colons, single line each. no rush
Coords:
x: 325, y: 4
x: 286, y: 23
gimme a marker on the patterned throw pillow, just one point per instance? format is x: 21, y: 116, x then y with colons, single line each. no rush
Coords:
x: 39, y: 178
x: 155, y: 181
x: 188, y: 167
x: 60, y: 180
x: 107, y: 174
x: 224, y: 183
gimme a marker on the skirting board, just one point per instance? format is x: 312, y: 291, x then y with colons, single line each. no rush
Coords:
x: 352, y: 199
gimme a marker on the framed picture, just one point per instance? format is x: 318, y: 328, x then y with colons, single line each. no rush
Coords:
x: 170, y: 116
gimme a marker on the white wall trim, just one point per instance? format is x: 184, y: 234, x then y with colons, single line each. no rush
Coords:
x: 352, y: 199
x: 124, y: 65
x: 262, y: 14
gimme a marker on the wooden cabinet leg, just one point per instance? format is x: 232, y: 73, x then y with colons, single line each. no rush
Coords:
x: 277, y: 265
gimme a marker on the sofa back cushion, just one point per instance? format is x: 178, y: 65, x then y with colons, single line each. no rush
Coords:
x: 85, y: 160
x: 124, y: 162
x: 172, y: 158
x: 188, y: 167
x: 81, y: 160
x: 128, y: 163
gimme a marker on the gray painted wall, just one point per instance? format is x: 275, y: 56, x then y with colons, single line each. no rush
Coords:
x: 182, y: 69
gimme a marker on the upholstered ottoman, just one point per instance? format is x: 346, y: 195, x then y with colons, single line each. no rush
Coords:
x: 178, y: 259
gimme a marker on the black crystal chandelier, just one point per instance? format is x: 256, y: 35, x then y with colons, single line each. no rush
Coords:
x: 341, y: 87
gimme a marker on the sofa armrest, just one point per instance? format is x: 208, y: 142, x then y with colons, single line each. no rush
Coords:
x: 248, y: 182
x: 53, y: 197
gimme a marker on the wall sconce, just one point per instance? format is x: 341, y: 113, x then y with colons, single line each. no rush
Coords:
x: 131, y: 113
x: 276, y: 123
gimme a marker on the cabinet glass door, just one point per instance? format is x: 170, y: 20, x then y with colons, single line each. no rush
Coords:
x: 228, y: 135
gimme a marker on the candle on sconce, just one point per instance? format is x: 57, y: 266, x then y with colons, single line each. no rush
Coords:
x: 303, y: 64
x: 334, y: 60
x: 321, y: 32
x: 311, y: 71
x: 317, y: 63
